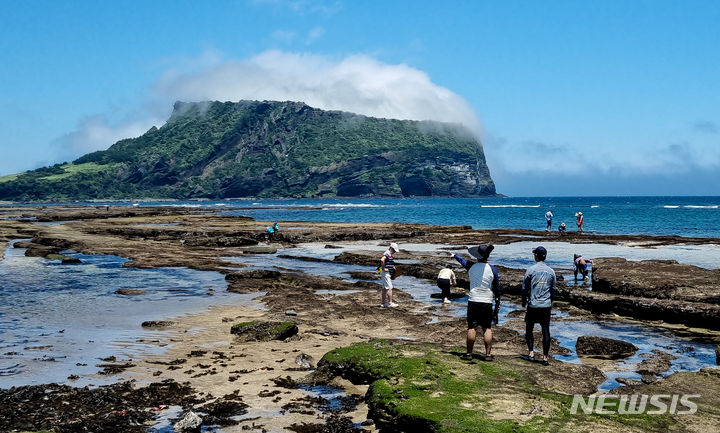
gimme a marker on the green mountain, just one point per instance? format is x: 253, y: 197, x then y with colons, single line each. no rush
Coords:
x: 268, y: 149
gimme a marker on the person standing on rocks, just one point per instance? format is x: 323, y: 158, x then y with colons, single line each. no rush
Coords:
x: 387, y: 266
x: 538, y: 293
x: 548, y: 218
x: 445, y: 279
x: 579, y: 220
x: 484, y: 292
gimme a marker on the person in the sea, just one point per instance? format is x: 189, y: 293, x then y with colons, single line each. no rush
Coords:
x: 446, y: 279
x: 548, y: 219
x: 579, y: 220
x: 562, y: 229
x: 538, y: 293
x: 484, y: 292
x: 581, y: 266
x: 387, y: 266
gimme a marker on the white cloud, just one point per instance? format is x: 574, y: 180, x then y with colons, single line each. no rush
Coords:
x: 98, y: 133
x: 357, y: 83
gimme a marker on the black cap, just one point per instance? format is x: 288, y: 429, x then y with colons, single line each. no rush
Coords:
x: 540, y: 251
x: 481, y: 252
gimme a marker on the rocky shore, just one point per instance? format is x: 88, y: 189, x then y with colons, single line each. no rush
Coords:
x: 398, y: 369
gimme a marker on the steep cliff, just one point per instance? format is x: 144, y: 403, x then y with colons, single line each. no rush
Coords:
x: 269, y: 149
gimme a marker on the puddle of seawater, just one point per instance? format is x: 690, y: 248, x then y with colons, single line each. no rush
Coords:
x: 57, y: 320
x: 54, y: 223
x: 330, y: 393
x: 691, y: 356
x: 560, y: 254
x: 645, y: 337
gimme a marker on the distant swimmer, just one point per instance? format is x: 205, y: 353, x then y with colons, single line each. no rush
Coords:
x: 579, y: 220
x: 581, y: 266
x: 548, y: 219
x: 562, y: 229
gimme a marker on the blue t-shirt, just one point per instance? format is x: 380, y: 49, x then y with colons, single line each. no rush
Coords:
x: 539, y: 286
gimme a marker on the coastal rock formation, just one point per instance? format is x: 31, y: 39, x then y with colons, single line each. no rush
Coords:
x: 601, y: 347
x: 129, y: 292
x: 654, y: 279
x: 157, y: 323
x: 269, y: 149
x: 263, y: 331
x: 656, y: 364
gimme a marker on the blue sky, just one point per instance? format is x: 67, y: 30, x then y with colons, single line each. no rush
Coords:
x: 567, y: 97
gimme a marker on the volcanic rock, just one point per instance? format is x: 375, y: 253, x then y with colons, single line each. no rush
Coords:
x: 601, y: 347
x: 264, y: 331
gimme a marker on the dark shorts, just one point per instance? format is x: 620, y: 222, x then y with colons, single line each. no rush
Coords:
x: 538, y: 315
x: 479, y: 314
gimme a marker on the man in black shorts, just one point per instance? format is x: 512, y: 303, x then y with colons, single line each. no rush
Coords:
x: 484, y: 293
x: 538, y: 293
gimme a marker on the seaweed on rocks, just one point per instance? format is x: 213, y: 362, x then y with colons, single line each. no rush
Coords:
x: 334, y: 424
x: 113, y: 408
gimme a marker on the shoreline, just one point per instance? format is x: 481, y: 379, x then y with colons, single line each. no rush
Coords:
x: 325, y: 321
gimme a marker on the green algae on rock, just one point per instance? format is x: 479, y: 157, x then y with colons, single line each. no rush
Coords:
x: 263, y: 331
x: 416, y: 387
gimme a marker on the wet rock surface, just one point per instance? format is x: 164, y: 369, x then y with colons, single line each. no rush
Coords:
x: 657, y: 364
x: 129, y: 292
x: 601, y: 347
x: 115, y: 408
x: 157, y: 323
x: 263, y: 331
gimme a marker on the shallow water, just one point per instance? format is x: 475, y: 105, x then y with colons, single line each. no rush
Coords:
x: 54, y: 316
x: 691, y: 356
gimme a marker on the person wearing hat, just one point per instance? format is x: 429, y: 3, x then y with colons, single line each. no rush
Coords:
x: 579, y: 220
x: 581, y: 266
x: 538, y: 292
x: 387, y: 266
x: 562, y: 229
x: 484, y: 292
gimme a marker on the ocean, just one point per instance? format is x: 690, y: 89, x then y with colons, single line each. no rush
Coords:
x: 683, y: 216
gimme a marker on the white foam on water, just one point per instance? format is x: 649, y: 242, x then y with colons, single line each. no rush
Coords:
x: 510, y: 205
x: 344, y: 205
x: 667, y: 206
x: 701, y: 207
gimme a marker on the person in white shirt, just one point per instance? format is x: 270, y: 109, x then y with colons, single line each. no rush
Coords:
x: 446, y: 279
x: 387, y: 264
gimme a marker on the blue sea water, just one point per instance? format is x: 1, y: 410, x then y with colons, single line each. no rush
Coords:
x: 683, y: 216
